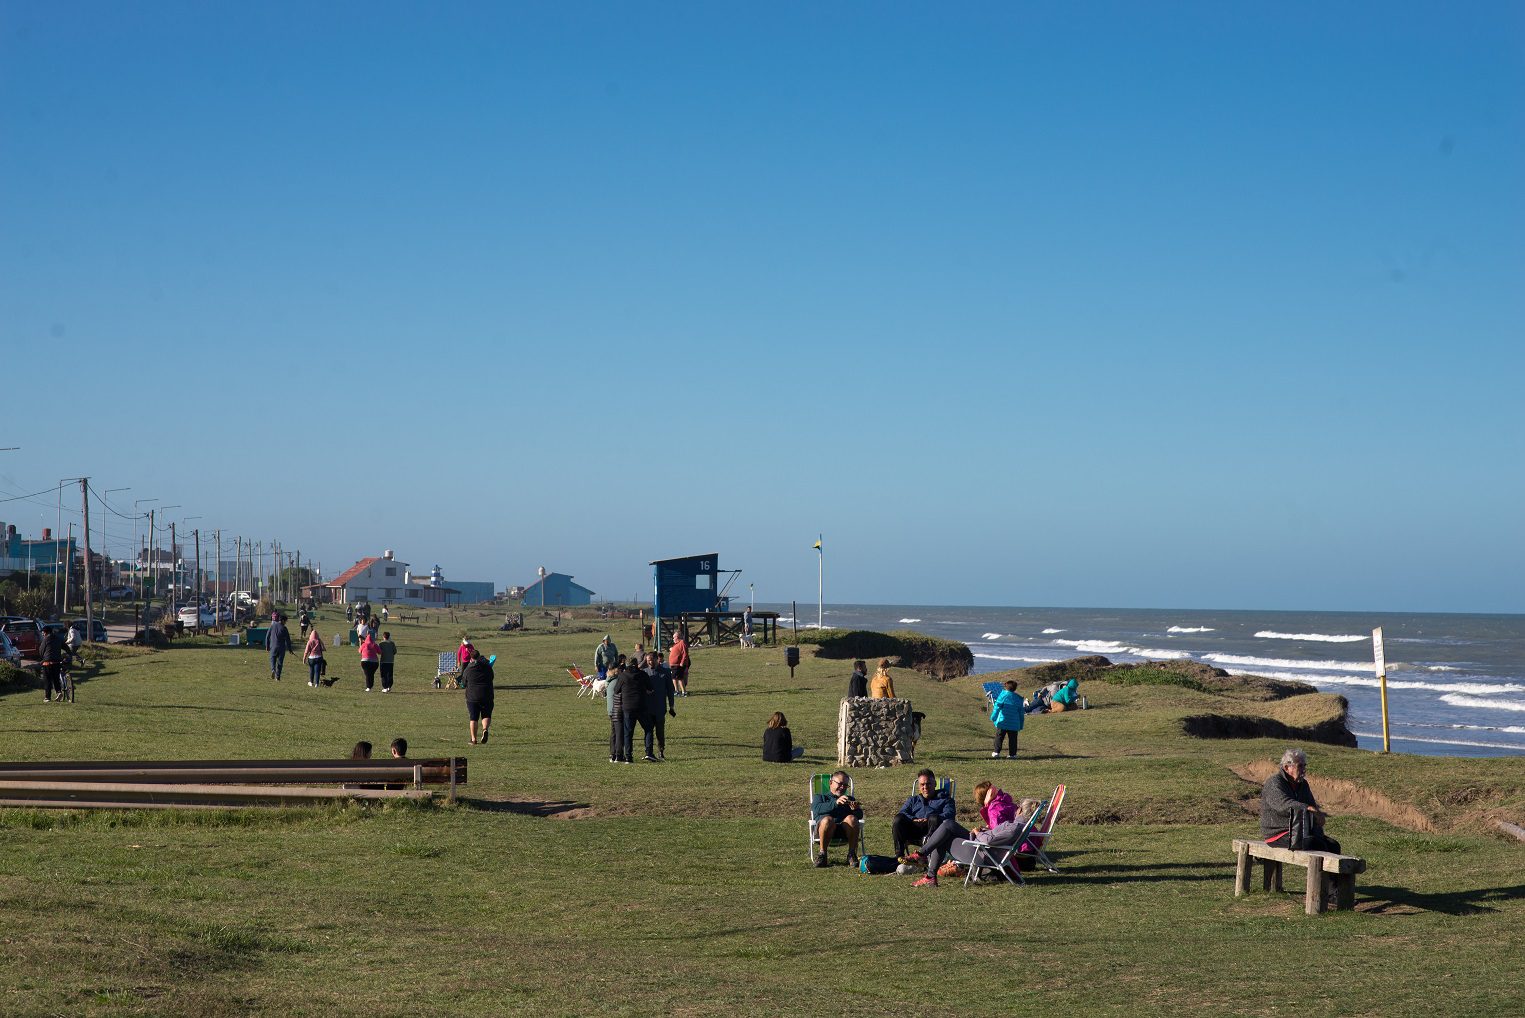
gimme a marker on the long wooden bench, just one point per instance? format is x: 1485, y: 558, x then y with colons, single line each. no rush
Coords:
x: 1326, y: 871
x: 158, y: 784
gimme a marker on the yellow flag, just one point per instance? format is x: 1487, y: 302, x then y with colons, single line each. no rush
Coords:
x: 818, y: 545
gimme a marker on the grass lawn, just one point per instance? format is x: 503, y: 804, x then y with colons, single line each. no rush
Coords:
x: 683, y: 887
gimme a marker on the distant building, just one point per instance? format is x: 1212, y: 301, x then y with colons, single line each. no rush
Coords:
x: 383, y: 580
x: 19, y: 555
x: 556, y: 589
x: 462, y: 591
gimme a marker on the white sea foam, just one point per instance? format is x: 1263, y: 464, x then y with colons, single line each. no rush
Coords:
x: 1114, y: 647
x: 1049, y: 632
x: 1095, y: 646
x: 910, y: 620
x: 1485, y: 702
x: 1267, y: 634
x: 1469, y: 688
x: 1191, y: 629
x: 1441, y: 742
x: 991, y: 636
x: 1013, y: 657
x: 1279, y: 662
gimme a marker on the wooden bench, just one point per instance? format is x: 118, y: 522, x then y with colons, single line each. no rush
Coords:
x: 159, y: 784
x: 407, y: 618
x: 1324, y: 869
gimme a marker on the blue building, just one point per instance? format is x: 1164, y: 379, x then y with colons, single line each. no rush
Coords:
x: 687, y: 584
x: 556, y: 589
x: 19, y: 555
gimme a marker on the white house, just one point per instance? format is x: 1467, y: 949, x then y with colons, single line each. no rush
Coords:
x: 384, y: 580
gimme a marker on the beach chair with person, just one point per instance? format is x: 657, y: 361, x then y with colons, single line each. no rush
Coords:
x: 999, y: 853
x: 1037, y: 839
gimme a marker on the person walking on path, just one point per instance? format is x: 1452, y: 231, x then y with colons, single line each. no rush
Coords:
x: 477, y: 677
x: 313, y: 655
x: 277, y: 642
x: 883, y: 687
x: 388, y: 651
x: 677, y: 660
x: 370, y: 659
x: 858, y: 684
x: 656, y: 707
x: 52, y: 653
x: 605, y: 655
x: 1008, y: 714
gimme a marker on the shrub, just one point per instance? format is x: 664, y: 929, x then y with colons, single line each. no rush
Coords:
x: 37, y: 604
x: 941, y: 659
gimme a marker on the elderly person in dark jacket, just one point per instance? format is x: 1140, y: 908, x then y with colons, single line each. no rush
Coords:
x: 477, y: 677
x: 922, y: 812
x: 1287, y: 801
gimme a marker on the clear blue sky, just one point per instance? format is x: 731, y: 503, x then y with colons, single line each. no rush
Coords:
x: 1190, y: 305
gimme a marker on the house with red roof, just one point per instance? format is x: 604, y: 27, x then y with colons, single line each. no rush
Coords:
x: 382, y: 580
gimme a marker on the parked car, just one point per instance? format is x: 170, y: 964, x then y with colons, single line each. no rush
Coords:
x: 26, y: 634
x: 100, y: 629
x: 8, y: 652
x: 192, y: 617
x: 120, y: 593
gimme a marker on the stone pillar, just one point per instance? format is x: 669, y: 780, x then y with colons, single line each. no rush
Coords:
x: 873, y: 733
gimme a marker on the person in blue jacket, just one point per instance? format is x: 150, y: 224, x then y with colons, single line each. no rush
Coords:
x: 1007, y: 715
x: 928, y: 807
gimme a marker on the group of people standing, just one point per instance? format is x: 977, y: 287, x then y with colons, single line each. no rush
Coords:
x: 375, y: 655
x: 640, y: 690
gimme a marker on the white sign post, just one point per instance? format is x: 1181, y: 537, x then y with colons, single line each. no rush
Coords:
x: 1380, y: 660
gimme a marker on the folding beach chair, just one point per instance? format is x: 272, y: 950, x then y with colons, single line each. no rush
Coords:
x: 944, y: 784
x: 992, y: 690
x: 1038, y: 839
x: 446, y: 669
x: 820, y: 784
x: 979, y: 856
x: 584, y: 684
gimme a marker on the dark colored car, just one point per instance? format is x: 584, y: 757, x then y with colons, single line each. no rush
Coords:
x: 26, y: 634
x: 100, y: 630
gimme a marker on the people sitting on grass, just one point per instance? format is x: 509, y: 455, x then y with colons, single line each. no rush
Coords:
x: 1066, y: 697
x: 836, y: 810
x: 778, y: 744
x: 1007, y: 714
x: 1289, y: 815
x: 921, y: 814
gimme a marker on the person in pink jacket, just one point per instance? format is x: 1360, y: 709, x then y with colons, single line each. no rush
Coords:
x: 370, y: 659
x: 995, y: 808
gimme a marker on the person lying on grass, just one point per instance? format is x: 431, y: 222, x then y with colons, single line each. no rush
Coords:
x: 833, y: 810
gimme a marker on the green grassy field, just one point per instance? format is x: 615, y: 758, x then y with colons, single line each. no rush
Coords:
x: 563, y: 884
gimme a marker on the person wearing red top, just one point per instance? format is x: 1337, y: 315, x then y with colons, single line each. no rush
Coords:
x: 677, y: 660
x: 370, y: 659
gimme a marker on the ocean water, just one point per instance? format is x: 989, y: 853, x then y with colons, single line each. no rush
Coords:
x: 1455, y: 683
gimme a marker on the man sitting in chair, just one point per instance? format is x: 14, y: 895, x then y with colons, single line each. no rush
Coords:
x: 1286, y: 802
x: 836, y: 810
x: 922, y: 812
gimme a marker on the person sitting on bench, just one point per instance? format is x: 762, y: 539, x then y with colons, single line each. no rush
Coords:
x: 1289, y: 816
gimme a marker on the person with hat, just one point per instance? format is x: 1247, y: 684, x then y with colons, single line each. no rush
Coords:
x: 604, y: 656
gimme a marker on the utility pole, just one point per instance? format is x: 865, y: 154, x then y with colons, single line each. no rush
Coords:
x: 84, y: 492
x: 217, y: 583
x: 66, y: 562
x: 150, y: 563
x: 174, y: 567
x: 197, y: 534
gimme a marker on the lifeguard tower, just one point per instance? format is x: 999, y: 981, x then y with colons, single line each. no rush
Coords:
x: 689, y: 596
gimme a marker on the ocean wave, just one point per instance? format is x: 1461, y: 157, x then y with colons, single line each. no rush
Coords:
x: 910, y: 620
x: 1485, y: 702
x: 1014, y: 657
x: 1050, y: 632
x: 1481, y: 689
x: 1280, y: 662
x: 1443, y: 742
x: 1095, y: 646
x: 1114, y: 647
x: 1267, y: 634
x: 990, y: 636
x: 1191, y: 629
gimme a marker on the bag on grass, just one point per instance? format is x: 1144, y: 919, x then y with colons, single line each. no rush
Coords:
x: 950, y: 869
x: 874, y: 865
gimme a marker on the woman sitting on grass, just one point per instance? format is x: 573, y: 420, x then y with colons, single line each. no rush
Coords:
x: 778, y: 744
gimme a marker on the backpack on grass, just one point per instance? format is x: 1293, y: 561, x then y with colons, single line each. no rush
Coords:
x: 875, y: 865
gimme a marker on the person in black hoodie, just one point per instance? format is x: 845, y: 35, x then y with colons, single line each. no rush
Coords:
x: 656, y: 706
x: 277, y: 642
x: 627, y: 704
x: 478, y: 679
x: 858, y: 684
x: 778, y: 743
x: 52, y: 654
